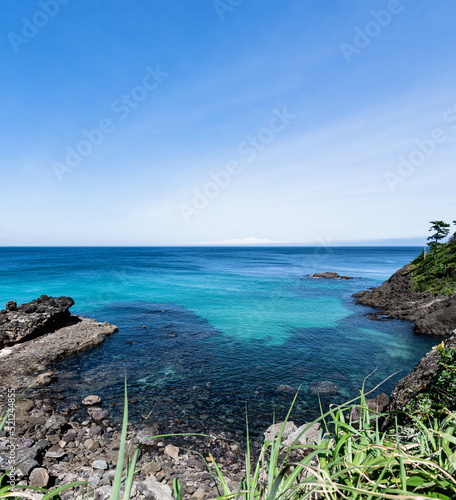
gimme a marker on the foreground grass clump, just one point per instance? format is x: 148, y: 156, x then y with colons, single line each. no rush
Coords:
x: 354, y: 460
x: 436, y: 275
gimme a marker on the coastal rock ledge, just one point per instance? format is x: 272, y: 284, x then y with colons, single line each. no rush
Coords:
x: 431, y: 314
x: 35, y: 335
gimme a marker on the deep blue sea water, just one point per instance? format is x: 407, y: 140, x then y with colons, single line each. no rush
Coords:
x: 225, y: 327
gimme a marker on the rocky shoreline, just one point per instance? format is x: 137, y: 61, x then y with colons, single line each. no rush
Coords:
x: 431, y: 315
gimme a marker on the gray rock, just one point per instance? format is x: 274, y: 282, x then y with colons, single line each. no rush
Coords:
x: 23, y: 469
x: 104, y: 492
x: 33, y: 319
x: 329, y: 275
x: 324, y: 387
x: 273, y: 431
x: 45, y: 378
x: 39, y: 477
x: 55, y: 452
x: 172, y: 451
x: 100, y: 465
x: 153, y: 490
x: 91, y: 445
x: 96, y: 430
x: 147, y: 432
x: 54, y: 424
x: 91, y: 400
x: 99, y: 415
x: 21, y: 363
x: 42, y: 444
x: 24, y: 443
x: 304, y: 435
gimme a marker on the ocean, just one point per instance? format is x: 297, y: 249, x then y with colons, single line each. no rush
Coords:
x: 210, y: 335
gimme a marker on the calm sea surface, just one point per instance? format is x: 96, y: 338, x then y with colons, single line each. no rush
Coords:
x: 225, y: 327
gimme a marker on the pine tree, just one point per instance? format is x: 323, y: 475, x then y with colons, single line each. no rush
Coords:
x: 441, y: 230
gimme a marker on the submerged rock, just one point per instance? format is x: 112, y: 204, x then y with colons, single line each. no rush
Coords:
x: 286, y: 389
x: 91, y: 400
x: 324, y: 387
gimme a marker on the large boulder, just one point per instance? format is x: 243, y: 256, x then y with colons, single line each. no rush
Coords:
x: 33, y: 319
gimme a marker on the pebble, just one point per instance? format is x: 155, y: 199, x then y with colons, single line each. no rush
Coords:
x: 39, y: 478
x: 172, y: 451
x: 91, y: 400
x: 100, y: 465
x: 91, y: 445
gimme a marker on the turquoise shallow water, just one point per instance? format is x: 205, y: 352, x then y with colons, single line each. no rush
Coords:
x: 226, y: 326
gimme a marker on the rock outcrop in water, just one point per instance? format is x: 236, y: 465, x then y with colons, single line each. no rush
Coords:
x: 329, y: 275
x: 431, y: 314
x: 35, y: 335
x: 28, y: 321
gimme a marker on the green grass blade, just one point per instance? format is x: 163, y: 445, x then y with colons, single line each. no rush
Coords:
x: 115, y: 492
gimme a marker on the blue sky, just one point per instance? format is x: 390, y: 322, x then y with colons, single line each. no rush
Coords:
x: 234, y: 121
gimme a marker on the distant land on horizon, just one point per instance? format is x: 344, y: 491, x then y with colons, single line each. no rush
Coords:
x: 393, y: 242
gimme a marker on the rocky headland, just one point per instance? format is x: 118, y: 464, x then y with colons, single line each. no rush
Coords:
x: 431, y: 314
x: 432, y: 310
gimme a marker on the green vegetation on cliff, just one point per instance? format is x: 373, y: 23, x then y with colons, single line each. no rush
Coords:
x: 436, y: 275
x: 437, y: 398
